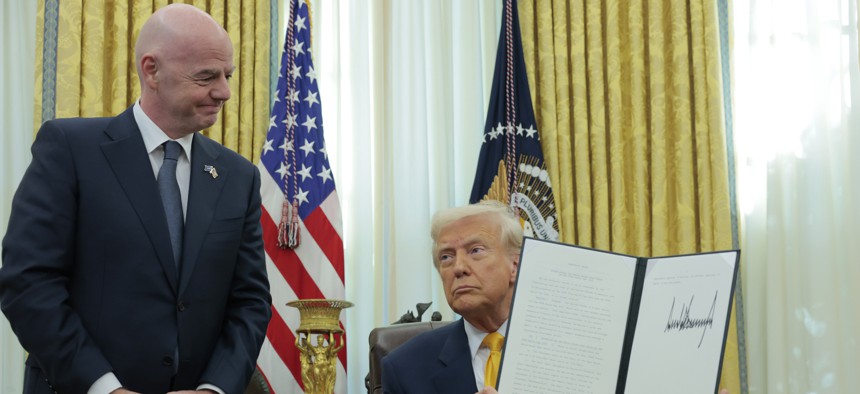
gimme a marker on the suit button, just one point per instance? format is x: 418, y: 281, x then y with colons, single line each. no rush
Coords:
x: 180, y: 306
x: 167, y: 361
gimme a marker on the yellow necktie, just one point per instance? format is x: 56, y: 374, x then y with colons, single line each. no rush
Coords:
x: 494, y: 342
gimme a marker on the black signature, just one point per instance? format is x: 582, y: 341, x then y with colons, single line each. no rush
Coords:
x: 685, y: 322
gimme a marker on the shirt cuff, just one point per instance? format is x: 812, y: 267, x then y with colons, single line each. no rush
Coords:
x: 207, y: 386
x: 106, y: 384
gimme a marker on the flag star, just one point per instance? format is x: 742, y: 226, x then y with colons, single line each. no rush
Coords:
x: 294, y: 96
x: 283, y: 169
x: 308, y: 147
x: 312, y: 99
x: 272, y: 122
x: 529, y: 188
x: 324, y: 152
x: 325, y: 174
x: 290, y: 121
x: 277, y: 95
x: 302, y: 196
x: 520, y: 129
x: 300, y: 24
x: 305, y: 172
x: 492, y: 131
x: 267, y: 146
x: 298, y: 47
x: 509, y: 129
x: 544, y: 198
x: 310, y: 123
x: 296, y: 71
x: 495, y: 133
x: 311, y: 74
x: 530, y: 131
x: 286, y: 146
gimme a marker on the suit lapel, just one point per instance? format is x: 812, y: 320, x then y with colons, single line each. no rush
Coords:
x: 456, y: 362
x: 203, y: 193
x: 129, y: 161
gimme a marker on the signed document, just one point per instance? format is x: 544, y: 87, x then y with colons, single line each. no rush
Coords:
x: 589, y: 321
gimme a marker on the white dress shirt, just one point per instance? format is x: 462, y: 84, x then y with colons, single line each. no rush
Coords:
x: 480, y: 354
x: 153, y: 138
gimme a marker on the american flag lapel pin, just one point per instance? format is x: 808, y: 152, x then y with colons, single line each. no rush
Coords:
x: 211, y: 170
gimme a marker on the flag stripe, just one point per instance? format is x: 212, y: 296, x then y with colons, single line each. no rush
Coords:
x: 282, y: 339
x: 326, y: 276
x: 285, y: 260
x: 281, y: 294
x: 288, y: 264
x: 319, y: 227
x: 331, y: 207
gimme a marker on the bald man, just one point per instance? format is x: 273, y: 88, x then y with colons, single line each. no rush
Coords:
x: 119, y: 277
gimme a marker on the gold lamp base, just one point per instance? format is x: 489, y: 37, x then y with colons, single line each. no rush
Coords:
x: 319, y: 318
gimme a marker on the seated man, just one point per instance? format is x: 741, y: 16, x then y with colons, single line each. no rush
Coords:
x: 476, y: 252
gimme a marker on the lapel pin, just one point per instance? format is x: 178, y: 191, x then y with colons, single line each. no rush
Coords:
x: 211, y: 170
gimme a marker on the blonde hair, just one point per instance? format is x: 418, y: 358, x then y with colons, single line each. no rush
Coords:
x: 511, y: 233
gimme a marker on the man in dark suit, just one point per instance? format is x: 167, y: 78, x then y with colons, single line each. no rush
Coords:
x: 476, y: 252
x: 110, y: 284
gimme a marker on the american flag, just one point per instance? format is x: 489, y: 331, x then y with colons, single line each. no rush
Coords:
x: 511, y: 168
x: 296, y: 173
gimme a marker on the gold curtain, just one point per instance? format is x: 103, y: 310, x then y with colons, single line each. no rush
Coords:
x: 85, y: 63
x: 628, y: 99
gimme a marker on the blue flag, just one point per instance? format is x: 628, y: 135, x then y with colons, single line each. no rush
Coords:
x: 511, y: 168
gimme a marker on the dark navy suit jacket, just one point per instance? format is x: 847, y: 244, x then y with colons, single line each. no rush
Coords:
x: 88, y: 280
x: 437, y: 361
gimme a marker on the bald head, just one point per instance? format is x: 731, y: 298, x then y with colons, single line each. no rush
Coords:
x: 184, y: 61
x: 172, y: 29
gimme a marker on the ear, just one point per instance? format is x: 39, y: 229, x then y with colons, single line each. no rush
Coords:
x: 515, y: 266
x: 149, y: 70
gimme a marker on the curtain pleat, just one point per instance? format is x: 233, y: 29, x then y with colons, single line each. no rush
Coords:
x: 39, y: 62
x: 94, y: 66
x: 628, y: 97
x: 18, y: 37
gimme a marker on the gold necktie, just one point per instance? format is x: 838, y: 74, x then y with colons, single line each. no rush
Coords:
x: 494, y: 342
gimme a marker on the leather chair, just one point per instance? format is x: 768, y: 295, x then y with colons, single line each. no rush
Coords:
x: 383, y: 340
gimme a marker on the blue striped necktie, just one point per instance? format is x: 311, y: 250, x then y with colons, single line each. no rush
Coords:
x: 171, y: 198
